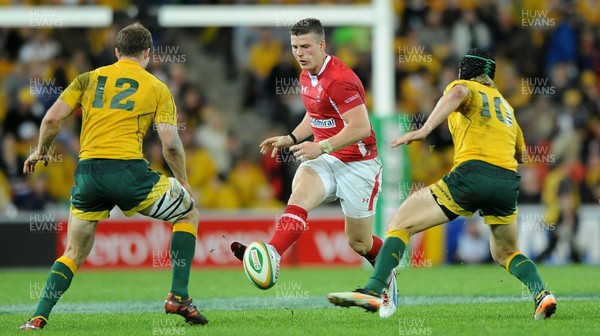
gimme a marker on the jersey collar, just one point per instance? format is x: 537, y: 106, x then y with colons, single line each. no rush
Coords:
x: 314, y: 78
x: 128, y: 62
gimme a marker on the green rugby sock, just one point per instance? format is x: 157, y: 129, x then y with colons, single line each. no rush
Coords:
x: 183, y: 246
x: 388, y: 258
x: 525, y: 270
x: 58, y: 281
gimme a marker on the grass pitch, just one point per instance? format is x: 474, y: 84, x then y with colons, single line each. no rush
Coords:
x: 449, y: 300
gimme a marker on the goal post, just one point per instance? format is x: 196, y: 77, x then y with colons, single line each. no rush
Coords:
x: 379, y: 16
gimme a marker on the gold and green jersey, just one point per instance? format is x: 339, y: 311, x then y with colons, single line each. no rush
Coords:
x: 484, y: 127
x: 118, y: 103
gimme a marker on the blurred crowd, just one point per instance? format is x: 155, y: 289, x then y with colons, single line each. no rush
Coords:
x: 548, y: 68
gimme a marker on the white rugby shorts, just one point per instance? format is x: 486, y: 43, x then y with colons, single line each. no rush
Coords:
x: 357, y: 184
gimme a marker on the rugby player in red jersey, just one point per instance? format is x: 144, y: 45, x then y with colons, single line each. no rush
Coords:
x: 342, y: 160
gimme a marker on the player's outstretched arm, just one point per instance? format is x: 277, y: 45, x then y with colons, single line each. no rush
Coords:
x: 357, y: 127
x: 49, y: 128
x: 173, y: 152
x: 446, y: 105
x: 273, y: 144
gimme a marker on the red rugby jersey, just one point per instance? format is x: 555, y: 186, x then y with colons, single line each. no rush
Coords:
x: 327, y: 96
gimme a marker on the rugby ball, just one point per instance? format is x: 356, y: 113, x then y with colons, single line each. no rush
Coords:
x: 261, y: 264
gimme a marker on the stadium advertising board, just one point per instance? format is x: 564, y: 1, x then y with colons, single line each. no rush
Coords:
x: 145, y: 243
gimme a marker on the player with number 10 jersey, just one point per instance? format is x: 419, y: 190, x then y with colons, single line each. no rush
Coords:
x: 488, y: 146
x: 479, y: 135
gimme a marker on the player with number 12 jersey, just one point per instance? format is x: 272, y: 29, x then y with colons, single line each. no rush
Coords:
x: 118, y: 103
x: 122, y: 86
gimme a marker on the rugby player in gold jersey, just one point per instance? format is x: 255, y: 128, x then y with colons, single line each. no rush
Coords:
x: 488, y: 146
x: 118, y: 103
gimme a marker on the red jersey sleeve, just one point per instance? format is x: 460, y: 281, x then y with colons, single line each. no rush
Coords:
x: 346, y: 95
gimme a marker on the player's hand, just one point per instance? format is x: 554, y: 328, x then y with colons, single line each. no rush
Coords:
x: 273, y: 144
x: 409, y: 137
x: 29, y: 165
x: 307, y: 150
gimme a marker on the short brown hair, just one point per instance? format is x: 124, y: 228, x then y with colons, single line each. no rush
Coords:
x: 133, y: 39
x: 307, y: 26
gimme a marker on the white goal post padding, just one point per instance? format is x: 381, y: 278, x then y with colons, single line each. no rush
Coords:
x: 55, y: 17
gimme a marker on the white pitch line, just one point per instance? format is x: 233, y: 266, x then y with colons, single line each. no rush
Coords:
x: 262, y: 303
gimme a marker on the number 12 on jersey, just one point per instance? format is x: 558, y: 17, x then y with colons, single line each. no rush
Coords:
x: 117, y: 100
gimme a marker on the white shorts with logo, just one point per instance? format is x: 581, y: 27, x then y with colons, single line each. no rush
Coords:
x: 356, y: 184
